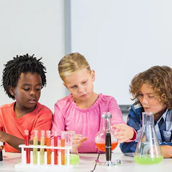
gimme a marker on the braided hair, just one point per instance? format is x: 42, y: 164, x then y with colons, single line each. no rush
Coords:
x: 21, y: 64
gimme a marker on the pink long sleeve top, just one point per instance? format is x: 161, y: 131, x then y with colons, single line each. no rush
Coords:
x: 87, y: 122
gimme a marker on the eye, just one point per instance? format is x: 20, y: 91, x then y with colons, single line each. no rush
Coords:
x: 140, y: 95
x: 74, y: 86
x: 26, y: 89
x: 38, y: 89
x: 84, y: 82
x: 151, y: 96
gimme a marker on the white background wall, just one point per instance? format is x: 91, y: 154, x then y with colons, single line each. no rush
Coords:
x: 121, y: 38
x: 34, y: 27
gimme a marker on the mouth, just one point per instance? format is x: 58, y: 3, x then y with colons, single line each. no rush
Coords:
x: 84, y: 95
x: 146, y: 109
x: 33, y: 101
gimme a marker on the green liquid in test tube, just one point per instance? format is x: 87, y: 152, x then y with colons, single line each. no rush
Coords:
x: 42, y: 149
x: 35, y: 143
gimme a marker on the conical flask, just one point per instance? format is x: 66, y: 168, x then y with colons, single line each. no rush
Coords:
x: 148, y: 150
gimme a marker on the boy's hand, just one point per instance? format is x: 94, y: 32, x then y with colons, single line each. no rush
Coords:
x: 2, y: 136
x: 123, y: 132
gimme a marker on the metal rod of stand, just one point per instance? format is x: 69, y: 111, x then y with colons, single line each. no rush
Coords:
x: 108, y: 142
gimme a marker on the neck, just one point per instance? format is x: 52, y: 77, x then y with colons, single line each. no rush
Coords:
x: 87, y: 103
x: 22, y: 111
x: 158, y: 115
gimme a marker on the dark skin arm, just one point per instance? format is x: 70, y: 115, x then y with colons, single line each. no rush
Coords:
x: 12, y: 140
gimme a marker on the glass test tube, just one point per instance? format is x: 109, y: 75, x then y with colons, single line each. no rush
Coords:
x: 63, y: 145
x: 27, y: 144
x: 55, y: 150
x: 48, y: 142
x: 42, y: 144
x: 35, y: 143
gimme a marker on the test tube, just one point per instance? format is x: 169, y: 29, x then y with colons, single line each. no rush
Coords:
x: 42, y: 144
x: 27, y: 144
x: 35, y: 143
x: 48, y: 142
x: 55, y: 150
x: 63, y: 145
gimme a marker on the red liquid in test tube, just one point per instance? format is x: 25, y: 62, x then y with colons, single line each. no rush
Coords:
x: 27, y: 144
x: 55, y: 150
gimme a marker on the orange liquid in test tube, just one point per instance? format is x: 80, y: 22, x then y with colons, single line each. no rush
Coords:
x: 48, y: 143
x: 62, y: 152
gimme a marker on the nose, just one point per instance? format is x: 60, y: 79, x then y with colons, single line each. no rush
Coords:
x: 80, y: 89
x: 32, y: 92
x: 144, y: 100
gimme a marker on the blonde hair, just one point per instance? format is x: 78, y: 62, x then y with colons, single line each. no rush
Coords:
x: 72, y: 63
x: 160, y: 79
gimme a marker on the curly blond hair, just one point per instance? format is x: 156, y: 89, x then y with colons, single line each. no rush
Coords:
x: 72, y: 63
x: 160, y: 79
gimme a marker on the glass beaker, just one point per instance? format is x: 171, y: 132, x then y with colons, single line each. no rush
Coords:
x: 101, y: 135
x: 69, y: 140
x: 148, y: 150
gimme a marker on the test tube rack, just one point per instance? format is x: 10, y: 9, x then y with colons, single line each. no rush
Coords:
x: 59, y: 166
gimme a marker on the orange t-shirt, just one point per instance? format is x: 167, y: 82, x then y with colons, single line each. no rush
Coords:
x: 39, y: 119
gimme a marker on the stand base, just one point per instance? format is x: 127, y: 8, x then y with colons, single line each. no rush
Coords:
x: 109, y: 163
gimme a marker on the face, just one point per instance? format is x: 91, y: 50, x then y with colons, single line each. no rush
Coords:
x: 28, y: 91
x: 80, y: 84
x: 148, y: 100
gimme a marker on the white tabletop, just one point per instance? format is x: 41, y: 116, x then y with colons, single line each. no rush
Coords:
x: 87, y: 163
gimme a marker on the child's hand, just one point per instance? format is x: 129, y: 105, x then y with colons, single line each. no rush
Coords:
x: 123, y: 132
x: 2, y: 136
x: 79, y: 139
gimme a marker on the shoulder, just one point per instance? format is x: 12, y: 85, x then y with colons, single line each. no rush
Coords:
x: 106, y: 98
x: 6, y: 106
x: 42, y: 109
x: 64, y: 102
x: 136, y: 109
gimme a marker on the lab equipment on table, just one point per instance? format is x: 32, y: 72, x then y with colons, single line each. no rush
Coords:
x: 106, y: 141
x: 148, y: 150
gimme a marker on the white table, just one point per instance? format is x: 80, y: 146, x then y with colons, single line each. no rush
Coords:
x: 87, y: 163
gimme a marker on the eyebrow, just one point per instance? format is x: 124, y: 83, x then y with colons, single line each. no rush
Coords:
x: 30, y: 84
x: 146, y: 93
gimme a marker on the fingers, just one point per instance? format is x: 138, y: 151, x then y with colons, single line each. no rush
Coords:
x: 120, y: 126
x: 123, y: 132
x: 79, y: 139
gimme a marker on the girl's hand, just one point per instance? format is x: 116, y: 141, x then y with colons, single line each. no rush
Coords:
x: 123, y: 132
x: 79, y: 139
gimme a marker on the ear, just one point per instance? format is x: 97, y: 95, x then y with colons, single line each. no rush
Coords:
x: 11, y: 90
x: 93, y: 75
x: 65, y: 85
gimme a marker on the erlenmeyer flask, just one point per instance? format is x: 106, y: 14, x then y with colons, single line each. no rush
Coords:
x: 148, y: 150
